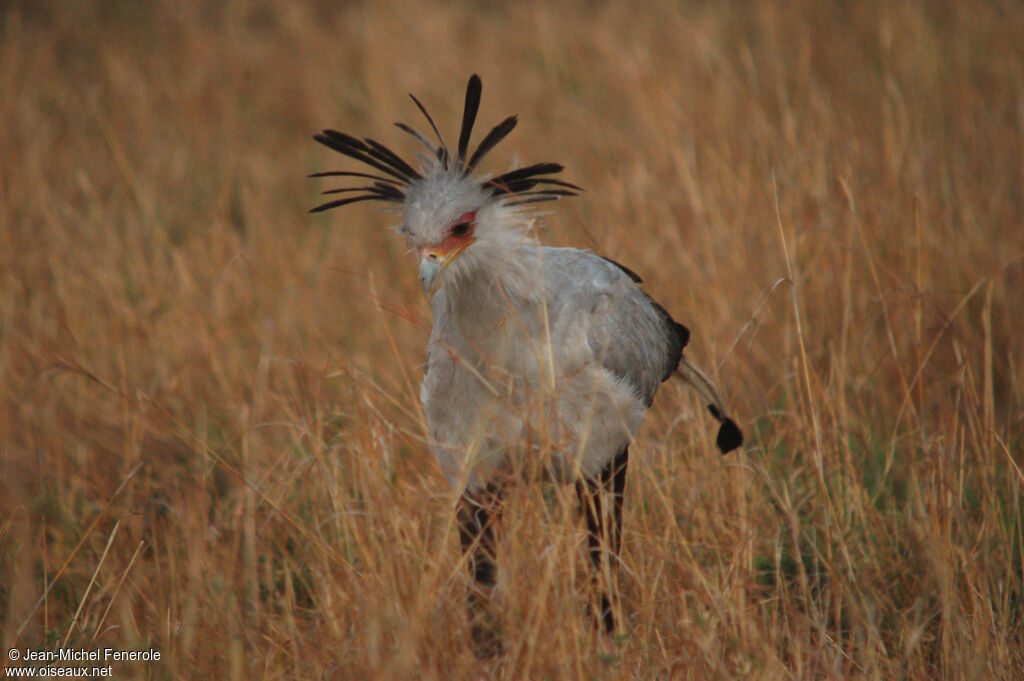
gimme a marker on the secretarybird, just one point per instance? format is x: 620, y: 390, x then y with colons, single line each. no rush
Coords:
x: 541, y: 361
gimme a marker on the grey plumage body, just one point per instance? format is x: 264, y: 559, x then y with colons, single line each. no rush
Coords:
x: 552, y: 358
x: 541, y: 361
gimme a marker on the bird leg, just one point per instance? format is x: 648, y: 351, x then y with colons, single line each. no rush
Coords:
x: 477, y: 514
x: 601, y: 500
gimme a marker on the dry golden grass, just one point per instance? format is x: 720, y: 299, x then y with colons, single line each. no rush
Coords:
x: 210, y: 438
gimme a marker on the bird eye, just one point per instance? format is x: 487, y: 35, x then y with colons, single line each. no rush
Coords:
x: 464, y: 225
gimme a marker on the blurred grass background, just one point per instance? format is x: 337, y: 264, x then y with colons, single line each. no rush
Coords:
x: 210, y: 438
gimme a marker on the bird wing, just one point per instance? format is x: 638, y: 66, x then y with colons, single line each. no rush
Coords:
x: 626, y: 331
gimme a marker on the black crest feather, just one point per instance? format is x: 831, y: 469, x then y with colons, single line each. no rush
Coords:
x: 498, y: 133
x: 522, y: 180
x: 394, y: 175
x: 418, y: 135
x: 473, y: 90
x: 442, y: 149
x: 369, y: 152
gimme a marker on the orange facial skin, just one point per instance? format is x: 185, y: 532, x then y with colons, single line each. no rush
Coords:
x: 459, y: 236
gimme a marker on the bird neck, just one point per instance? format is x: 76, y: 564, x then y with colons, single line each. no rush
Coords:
x: 484, y: 296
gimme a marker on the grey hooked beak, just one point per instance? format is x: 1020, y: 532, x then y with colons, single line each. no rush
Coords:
x: 433, y: 259
x: 429, y: 269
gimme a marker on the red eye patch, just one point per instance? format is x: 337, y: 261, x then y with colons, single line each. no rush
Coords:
x: 464, y: 225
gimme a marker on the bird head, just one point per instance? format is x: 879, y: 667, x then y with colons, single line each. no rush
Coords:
x: 454, y: 221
